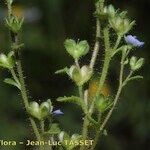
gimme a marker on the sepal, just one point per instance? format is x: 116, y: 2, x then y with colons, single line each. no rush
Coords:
x: 14, y: 23
x: 40, y: 111
x: 102, y: 103
x: 135, y: 63
x: 76, y: 50
x: 7, y: 61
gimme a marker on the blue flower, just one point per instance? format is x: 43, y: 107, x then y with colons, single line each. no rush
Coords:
x: 133, y: 41
x: 57, y: 112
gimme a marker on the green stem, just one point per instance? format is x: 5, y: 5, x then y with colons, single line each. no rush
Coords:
x: 96, y: 46
x: 23, y: 89
x: 85, y: 122
x: 80, y: 91
x: 117, y: 43
x: 106, y: 60
x: 103, y: 75
x: 14, y: 75
x: 35, y: 129
x: 77, y: 63
x: 14, y: 39
x: 9, y: 10
x: 85, y: 131
x: 114, y: 104
x: 42, y: 126
x: 25, y: 98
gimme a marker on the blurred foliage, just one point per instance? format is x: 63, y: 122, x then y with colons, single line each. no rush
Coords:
x: 47, y: 24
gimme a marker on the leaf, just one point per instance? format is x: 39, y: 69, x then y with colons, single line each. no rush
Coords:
x: 95, y: 123
x: 76, y: 50
x: 12, y: 82
x: 83, y: 47
x: 54, y: 129
x: 64, y: 70
x: 135, y: 78
x: 73, y: 99
x: 63, y: 136
x: 34, y: 110
x: 105, y: 132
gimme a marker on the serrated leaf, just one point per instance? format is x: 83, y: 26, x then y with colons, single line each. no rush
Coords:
x: 12, y: 82
x: 73, y: 99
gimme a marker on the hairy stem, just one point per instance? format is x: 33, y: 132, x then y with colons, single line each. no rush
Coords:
x: 14, y: 75
x: 23, y: 89
x: 35, y: 129
x: 96, y: 46
x: 14, y: 40
x: 91, y: 65
x: 85, y: 122
x: 106, y: 60
x: 117, y: 43
x: 42, y: 126
x: 114, y: 104
x: 80, y: 91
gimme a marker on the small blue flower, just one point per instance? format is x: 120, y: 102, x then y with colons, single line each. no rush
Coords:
x: 57, y: 112
x: 133, y: 41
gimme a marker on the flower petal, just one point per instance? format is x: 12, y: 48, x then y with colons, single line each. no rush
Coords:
x: 57, y: 112
x: 133, y: 41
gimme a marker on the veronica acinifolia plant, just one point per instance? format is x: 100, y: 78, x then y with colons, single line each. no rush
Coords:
x: 109, y: 22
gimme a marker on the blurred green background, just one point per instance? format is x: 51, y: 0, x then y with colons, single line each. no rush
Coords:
x: 47, y: 24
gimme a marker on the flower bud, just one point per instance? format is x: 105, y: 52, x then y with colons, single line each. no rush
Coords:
x: 111, y: 11
x: 136, y: 64
x: 9, y: 2
x: 120, y: 25
x: 80, y: 76
x: 76, y: 50
x: 40, y: 111
x: 107, y: 12
x: 102, y: 103
x: 34, y: 110
x: 45, y: 109
x: 14, y: 23
x: 6, y: 61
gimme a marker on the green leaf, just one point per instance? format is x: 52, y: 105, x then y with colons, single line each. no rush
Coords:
x: 102, y: 103
x: 14, y: 23
x: 40, y: 111
x: 136, y: 63
x: 63, y: 136
x: 139, y: 63
x: 74, y: 137
x: 54, y: 129
x: 73, y: 99
x: 17, y: 46
x: 44, y: 109
x: 105, y: 132
x: 64, y: 70
x: 76, y: 50
x: 12, y: 82
x: 83, y: 47
x: 136, y: 78
x: 95, y: 123
x: 34, y: 110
